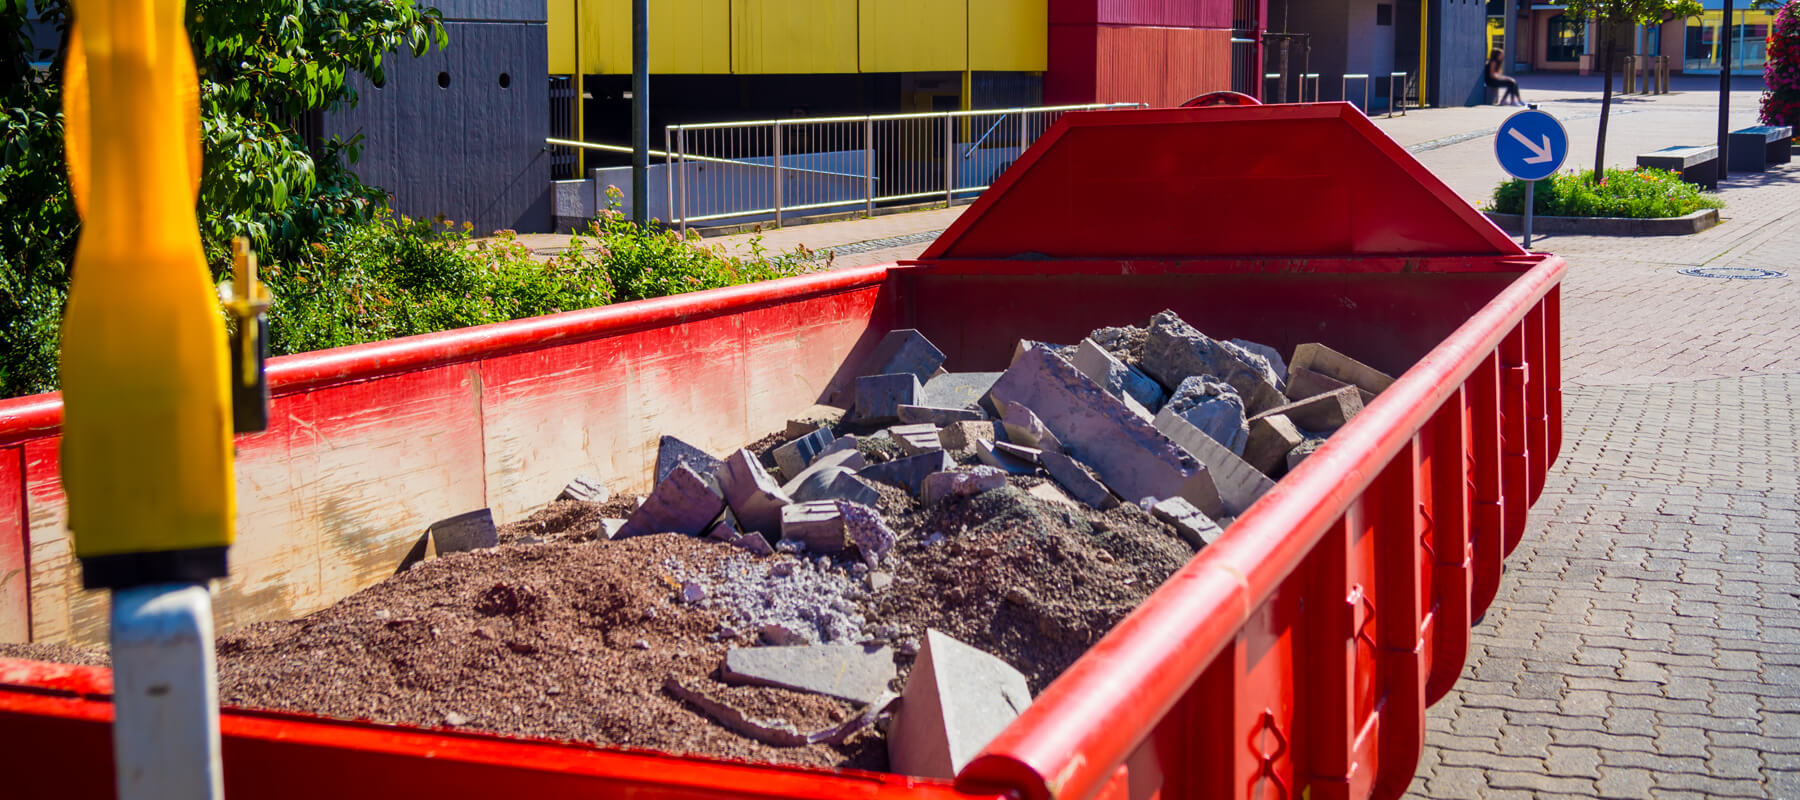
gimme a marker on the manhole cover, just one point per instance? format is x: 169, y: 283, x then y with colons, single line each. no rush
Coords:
x: 1739, y: 273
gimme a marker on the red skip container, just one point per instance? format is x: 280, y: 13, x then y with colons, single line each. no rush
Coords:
x: 1292, y: 659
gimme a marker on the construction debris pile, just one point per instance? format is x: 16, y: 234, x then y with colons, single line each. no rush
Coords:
x: 882, y: 587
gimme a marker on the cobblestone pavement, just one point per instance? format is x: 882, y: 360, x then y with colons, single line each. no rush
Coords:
x: 1646, y: 640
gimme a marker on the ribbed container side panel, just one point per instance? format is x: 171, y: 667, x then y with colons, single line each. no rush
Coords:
x: 1162, y: 13
x: 1160, y: 66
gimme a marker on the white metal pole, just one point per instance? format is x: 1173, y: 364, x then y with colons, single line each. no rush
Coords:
x: 165, y: 694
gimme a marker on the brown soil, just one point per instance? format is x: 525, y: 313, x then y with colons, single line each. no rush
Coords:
x: 1033, y: 582
x: 58, y: 653
x: 564, y: 641
x: 569, y: 521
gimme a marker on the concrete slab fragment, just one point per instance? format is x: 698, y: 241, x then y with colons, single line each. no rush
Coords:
x: 916, y: 438
x: 1109, y: 372
x: 1195, y: 527
x: 754, y: 496
x: 818, y: 525
x: 795, y: 456
x: 904, y: 351
x: 1304, y: 383
x: 837, y: 456
x: 817, y: 416
x: 1272, y: 437
x: 469, y: 531
x: 683, y: 503
x: 855, y: 673
x: 1270, y: 355
x: 957, y: 389
x: 671, y: 451
x: 1130, y: 455
x: 1324, y: 360
x: 1078, y: 482
x: 990, y: 454
x: 1239, y: 484
x: 909, y: 473
x: 1322, y: 413
x: 1049, y: 493
x: 957, y: 699
x: 961, y: 436
x: 879, y: 397
x: 939, y: 486
x: 939, y: 416
x: 586, y: 490
x: 1023, y: 427
x: 1304, y: 450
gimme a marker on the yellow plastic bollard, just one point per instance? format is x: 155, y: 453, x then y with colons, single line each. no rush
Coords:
x: 146, y: 459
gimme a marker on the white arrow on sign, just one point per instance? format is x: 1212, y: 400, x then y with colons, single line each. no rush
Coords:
x: 1539, y: 154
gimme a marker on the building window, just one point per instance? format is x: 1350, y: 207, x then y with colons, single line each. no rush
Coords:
x: 1748, y: 45
x: 1564, y: 40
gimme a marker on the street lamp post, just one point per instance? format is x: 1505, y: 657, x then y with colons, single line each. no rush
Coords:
x: 640, y: 112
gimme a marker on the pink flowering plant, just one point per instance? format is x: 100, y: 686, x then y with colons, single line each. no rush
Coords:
x: 1781, y: 70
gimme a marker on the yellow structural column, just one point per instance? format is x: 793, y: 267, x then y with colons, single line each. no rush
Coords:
x: 146, y: 450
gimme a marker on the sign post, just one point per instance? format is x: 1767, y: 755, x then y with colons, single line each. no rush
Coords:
x: 1531, y: 146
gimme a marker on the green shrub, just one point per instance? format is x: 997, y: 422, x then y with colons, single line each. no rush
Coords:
x: 399, y: 277
x: 1636, y: 193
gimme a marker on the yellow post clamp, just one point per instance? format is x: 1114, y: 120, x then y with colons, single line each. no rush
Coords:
x: 146, y: 451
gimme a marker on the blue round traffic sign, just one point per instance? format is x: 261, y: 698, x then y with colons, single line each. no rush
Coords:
x: 1531, y: 145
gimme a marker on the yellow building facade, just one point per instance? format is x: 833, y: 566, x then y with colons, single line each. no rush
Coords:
x: 765, y: 37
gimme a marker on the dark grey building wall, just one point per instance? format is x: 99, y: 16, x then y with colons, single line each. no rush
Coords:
x: 460, y: 132
x: 1459, y: 37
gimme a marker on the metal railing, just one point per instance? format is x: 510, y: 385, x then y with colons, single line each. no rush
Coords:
x: 1397, y: 93
x: 1344, y: 88
x: 743, y: 171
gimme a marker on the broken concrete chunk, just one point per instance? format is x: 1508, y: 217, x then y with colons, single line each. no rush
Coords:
x: 725, y: 529
x: 940, y: 486
x: 917, y: 438
x: 1322, y: 413
x: 879, y: 397
x: 1269, y: 354
x: 909, y: 473
x: 1075, y: 479
x: 794, y: 456
x: 683, y: 503
x: 610, y: 527
x: 755, y: 543
x: 1303, y: 450
x: 1214, y: 407
x: 856, y: 673
x: 1174, y: 351
x: 957, y: 389
x: 865, y: 529
x: 961, y: 436
x: 813, y: 418
x: 1107, y: 371
x: 1272, y: 437
x: 1029, y: 455
x: 671, y: 452
x: 812, y: 486
x: 836, y: 483
x: 473, y: 530
x: 904, y: 351
x: 754, y: 496
x: 957, y: 700
x: 1196, y: 528
x: 1049, y: 493
x: 1333, y: 364
x: 1024, y: 427
x: 1304, y: 383
x: 989, y: 453
x: 837, y: 456
x: 818, y: 525
x: 939, y: 416
x: 1127, y: 452
x: 1239, y: 484
x: 586, y: 490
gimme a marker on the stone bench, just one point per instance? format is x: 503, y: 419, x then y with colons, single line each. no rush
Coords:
x: 1756, y: 149
x: 1698, y: 165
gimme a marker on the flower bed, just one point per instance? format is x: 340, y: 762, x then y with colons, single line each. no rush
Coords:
x: 1631, y: 194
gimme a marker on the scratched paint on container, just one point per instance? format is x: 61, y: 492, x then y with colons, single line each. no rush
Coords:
x: 15, y: 582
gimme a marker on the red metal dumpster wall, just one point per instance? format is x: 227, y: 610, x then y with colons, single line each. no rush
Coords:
x: 1159, y: 13
x: 368, y: 445
x: 1161, y: 66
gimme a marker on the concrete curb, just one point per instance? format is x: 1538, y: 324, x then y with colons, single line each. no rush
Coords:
x: 1610, y: 226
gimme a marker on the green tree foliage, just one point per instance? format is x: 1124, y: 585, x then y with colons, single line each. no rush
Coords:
x: 1639, y: 193
x: 1614, y: 18
x: 264, y: 66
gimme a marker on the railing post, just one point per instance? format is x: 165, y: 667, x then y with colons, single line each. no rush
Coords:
x: 949, y: 160
x: 669, y: 172
x: 869, y: 166
x: 778, y: 173
x: 681, y: 164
